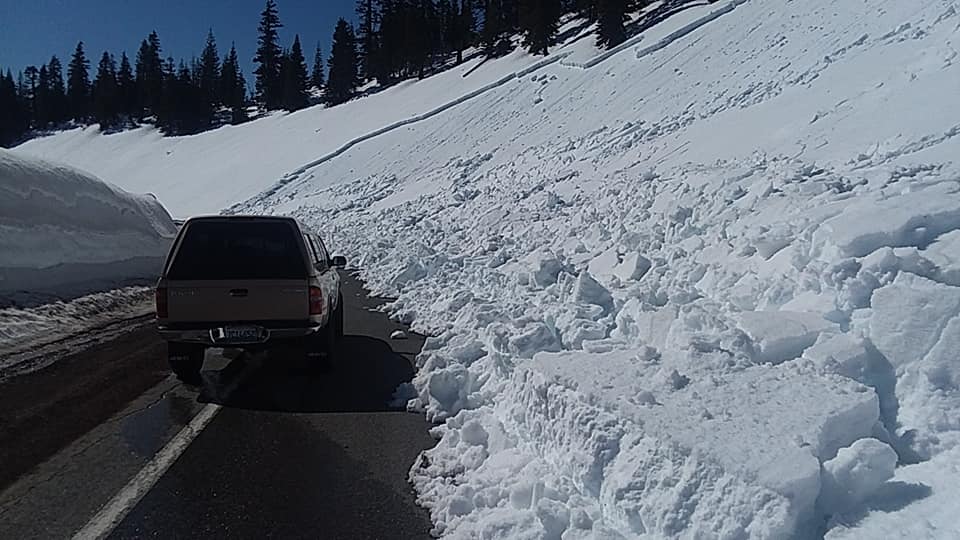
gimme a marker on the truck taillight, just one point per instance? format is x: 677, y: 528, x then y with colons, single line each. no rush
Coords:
x: 162, y: 305
x: 316, y: 301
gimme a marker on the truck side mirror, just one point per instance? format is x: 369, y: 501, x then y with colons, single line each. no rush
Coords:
x: 339, y: 261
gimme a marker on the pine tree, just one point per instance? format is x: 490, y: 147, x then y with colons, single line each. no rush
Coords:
x: 423, y: 35
x: 343, y: 79
x: 210, y: 69
x: 233, y: 89
x: 611, y: 16
x: 367, y: 37
x: 586, y: 9
x: 166, y: 103
x: 497, y: 26
x: 390, y: 59
x: 539, y: 20
x: 15, y: 121
x: 295, y: 78
x: 465, y: 32
x: 317, y: 79
x: 78, y: 85
x: 41, y: 99
x: 126, y: 88
x: 105, y: 94
x: 268, y: 58
x: 31, y: 76
x: 149, y: 76
x: 56, y: 92
x: 458, y: 26
x: 200, y: 110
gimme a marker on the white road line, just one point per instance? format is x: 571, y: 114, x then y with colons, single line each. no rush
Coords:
x: 103, y: 523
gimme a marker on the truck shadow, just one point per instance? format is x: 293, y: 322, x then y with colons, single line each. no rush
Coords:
x: 363, y: 379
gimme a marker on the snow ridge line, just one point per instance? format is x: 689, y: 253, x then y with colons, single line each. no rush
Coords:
x: 687, y: 29
x: 601, y: 57
x: 556, y: 58
x: 294, y: 175
x: 661, y: 43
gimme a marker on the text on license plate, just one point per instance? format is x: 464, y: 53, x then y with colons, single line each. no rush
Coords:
x: 242, y: 334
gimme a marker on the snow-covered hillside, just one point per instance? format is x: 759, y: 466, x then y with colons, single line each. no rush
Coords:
x: 705, y: 287
x: 64, y: 232
x: 204, y: 173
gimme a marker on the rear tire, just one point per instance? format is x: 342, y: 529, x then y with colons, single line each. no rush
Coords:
x: 322, y: 347
x: 186, y: 361
x: 339, y: 318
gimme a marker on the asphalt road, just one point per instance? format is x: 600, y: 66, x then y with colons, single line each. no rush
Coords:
x: 289, y: 453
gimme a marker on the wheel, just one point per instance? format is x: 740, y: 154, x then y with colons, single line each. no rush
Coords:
x: 331, y: 335
x: 321, y: 348
x: 339, y: 318
x: 186, y: 361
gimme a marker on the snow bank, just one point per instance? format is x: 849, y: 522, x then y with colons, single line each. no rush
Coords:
x: 64, y: 232
x: 26, y: 331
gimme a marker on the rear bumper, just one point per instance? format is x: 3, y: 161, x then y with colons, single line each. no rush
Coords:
x: 204, y: 336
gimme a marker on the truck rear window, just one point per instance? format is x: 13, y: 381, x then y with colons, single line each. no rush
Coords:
x: 238, y: 250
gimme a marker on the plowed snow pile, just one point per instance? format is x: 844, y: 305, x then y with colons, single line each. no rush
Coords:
x: 64, y: 232
x: 707, y: 288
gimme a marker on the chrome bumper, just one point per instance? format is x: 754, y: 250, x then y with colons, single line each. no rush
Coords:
x: 205, y: 336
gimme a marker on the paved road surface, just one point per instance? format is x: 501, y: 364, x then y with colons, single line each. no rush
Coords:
x: 289, y: 454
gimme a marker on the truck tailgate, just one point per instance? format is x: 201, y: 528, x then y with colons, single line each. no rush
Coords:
x: 238, y: 300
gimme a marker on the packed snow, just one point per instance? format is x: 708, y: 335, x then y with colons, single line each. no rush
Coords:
x: 27, y: 334
x: 707, y: 286
x: 64, y: 232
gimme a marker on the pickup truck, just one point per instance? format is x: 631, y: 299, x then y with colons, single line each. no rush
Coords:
x: 248, y: 282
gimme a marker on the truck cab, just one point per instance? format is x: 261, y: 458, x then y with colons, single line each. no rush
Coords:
x: 248, y: 282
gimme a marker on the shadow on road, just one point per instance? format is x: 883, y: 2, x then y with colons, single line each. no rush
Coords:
x: 362, y: 379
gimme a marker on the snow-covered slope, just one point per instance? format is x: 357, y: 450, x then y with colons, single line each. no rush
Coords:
x: 64, y: 232
x: 706, y: 288
x: 205, y: 173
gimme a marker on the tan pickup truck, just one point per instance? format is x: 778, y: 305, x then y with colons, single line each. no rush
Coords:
x: 248, y: 282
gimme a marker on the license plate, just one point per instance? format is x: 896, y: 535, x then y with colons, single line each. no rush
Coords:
x: 238, y: 334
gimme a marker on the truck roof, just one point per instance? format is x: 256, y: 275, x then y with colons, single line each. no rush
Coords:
x: 247, y: 217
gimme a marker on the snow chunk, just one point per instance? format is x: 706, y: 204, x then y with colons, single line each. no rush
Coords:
x: 855, y: 474
x: 742, y: 437
x: 909, y: 316
x: 398, y: 334
x: 915, y: 325
x: 603, y: 264
x: 635, y: 324
x: 911, y: 219
x: 625, y: 267
x: 412, y: 271
x: 548, y: 268
x: 779, y: 336
x: 945, y: 254
x: 534, y: 338
x: 842, y: 354
x: 589, y: 291
x: 633, y: 267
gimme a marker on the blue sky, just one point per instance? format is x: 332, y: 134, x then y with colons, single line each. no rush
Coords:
x: 33, y: 30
